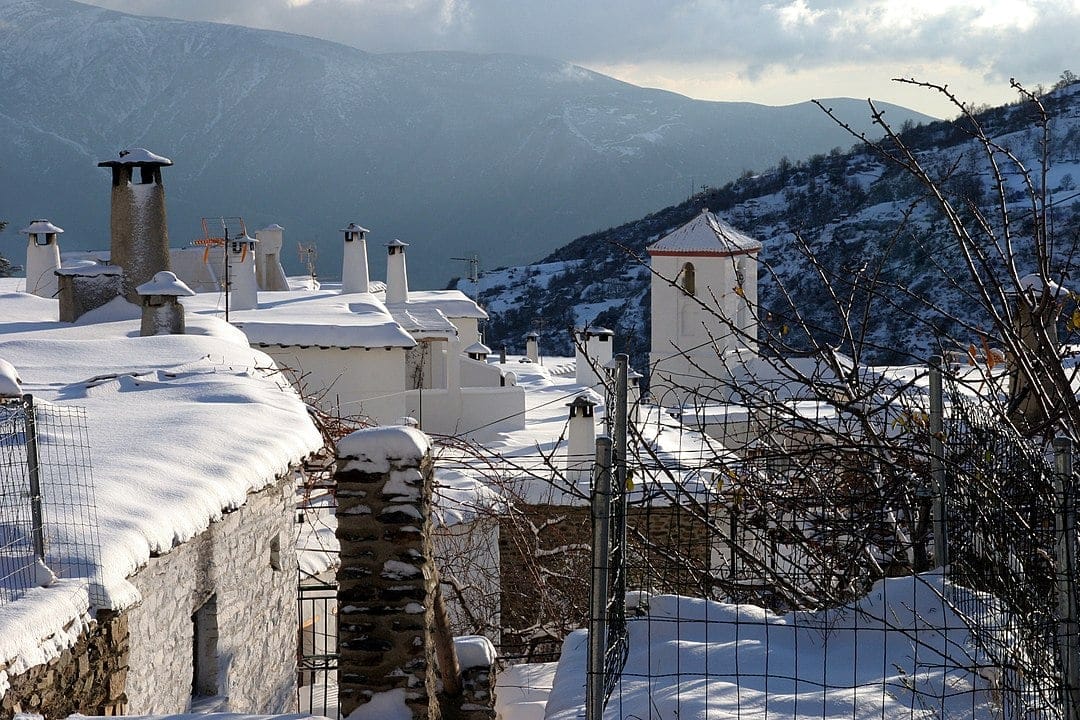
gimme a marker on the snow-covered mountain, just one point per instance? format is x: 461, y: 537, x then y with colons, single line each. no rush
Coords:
x: 502, y: 156
x: 849, y: 210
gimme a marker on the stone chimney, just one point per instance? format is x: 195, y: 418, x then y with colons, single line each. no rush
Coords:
x: 581, y: 440
x: 162, y: 313
x: 354, y: 264
x: 140, y: 235
x: 243, y: 287
x: 592, y: 348
x: 42, y: 258
x: 397, y: 276
x: 532, y: 347
x: 85, y: 286
x: 268, y: 271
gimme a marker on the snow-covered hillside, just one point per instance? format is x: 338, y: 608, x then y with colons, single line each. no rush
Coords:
x: 854, y: 212
x: 502, y: 156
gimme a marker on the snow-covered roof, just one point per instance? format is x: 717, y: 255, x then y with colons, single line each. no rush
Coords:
x: 136, y: 156
x: 180, y: 428
x: 41, y: 227
x: 323, y: 318
x: 422, y: 320
x: 165, y: 283
x: 452, y: 303
x: 1037, y: 286
x: 706, y: 234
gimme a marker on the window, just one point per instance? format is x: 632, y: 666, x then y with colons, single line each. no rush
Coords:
x: 687, y: 281
x: 204, y: 650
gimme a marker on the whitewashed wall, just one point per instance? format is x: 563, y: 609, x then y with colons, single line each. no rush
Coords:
x: 357, y: 381
x: 256, y: 613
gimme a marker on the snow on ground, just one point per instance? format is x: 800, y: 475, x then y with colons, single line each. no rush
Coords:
x: 180, y: 428
x: 521, y: 691
x: 899, y: 652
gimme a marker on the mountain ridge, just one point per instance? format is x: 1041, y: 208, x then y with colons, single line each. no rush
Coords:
x: 847, y: 210
x: 501, y: 156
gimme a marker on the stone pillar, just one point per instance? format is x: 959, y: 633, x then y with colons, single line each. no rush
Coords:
x: 387, y: 580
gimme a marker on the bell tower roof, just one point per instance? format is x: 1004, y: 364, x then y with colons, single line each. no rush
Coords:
x: 708, y: 235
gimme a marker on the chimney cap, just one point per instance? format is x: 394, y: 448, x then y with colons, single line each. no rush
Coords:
x: 139, y: 157
x: 165, y: 283
x: 532, y: 335
x: 583, y: 400
x: 41, y: 227
x: 272, y: 226
x: 396, y: 243
x: 353, y: 227
x: 478, y: 348
x: 596, y: 331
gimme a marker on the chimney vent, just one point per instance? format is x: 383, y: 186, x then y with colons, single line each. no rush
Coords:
x: 162, y: 313
x: 42, y: 258
x: 138, y: 229
x: 354, y: 261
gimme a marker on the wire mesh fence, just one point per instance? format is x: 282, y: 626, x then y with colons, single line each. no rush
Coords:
x: 791, y: 570
x: 48, y: 512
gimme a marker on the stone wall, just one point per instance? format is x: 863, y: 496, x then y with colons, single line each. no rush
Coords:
x: 546, y: 562
x: 244, y: 566
x: 87, y: 678
x: 142, y: 661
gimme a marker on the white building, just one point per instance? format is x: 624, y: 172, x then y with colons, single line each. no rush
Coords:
x: 169, y: 502
x: 704, y: 299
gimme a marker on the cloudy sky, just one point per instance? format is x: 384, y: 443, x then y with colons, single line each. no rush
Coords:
x: 769, y: 52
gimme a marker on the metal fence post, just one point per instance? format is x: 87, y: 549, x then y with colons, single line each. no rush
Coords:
x: 33, y: 467
x: 937, y: 463
x: 619, y: 455
x: 598, y: 597
x: 1065, y: 525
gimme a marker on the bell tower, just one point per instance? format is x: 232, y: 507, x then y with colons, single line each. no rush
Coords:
x: 704, y: 307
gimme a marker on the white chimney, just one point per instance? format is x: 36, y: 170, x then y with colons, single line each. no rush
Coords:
x: 268, y: 271
x: 42, y: 258
x: 478, y: 351
x: 354, y: 265
x: 532, y: 347
x: 581, y: 440
x: 592, y: 348
x: 243, y: 288
x: 397, y: 277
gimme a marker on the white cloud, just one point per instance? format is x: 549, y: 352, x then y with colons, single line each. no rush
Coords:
x: 743, y: 39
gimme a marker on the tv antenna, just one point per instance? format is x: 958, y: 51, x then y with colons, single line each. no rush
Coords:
x: 474, y: 267
x: 208, y: 241
x: 308, y: 255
